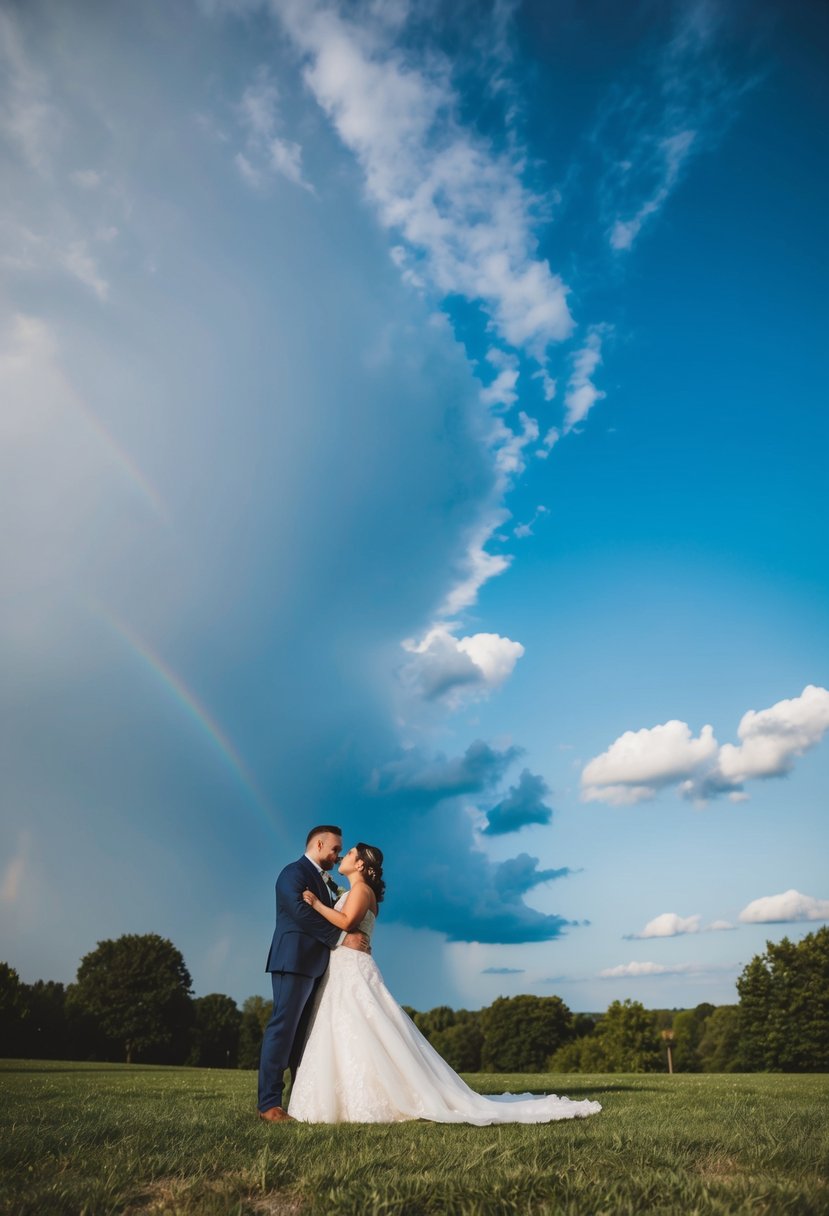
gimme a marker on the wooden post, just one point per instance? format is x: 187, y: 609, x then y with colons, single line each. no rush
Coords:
x: 668, y: 1036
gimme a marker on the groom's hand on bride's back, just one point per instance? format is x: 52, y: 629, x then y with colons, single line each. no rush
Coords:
x: 357, y: 941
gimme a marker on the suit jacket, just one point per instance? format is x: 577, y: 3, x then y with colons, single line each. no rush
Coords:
x: 302, y: 940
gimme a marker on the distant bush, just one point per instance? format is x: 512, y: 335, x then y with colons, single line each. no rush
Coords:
x: 626, y: 1039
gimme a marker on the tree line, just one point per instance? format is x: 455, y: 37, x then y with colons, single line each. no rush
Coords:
x: 132, y: 1000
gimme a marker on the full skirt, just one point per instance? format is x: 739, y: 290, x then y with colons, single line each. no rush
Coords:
x: 365, y: 1061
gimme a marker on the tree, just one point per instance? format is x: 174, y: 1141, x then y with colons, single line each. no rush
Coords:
x: 45, y: 1029
x: 521, y: 1032
x: 137, y: 989
x: 784, y: 1006
x: 435, y: 1020
x: 12, y: 1011
x: 256, y: 1012
x: 720, y: 1049
x: 215, y: 1042
x: 629, y: 1039
x: 688, y: 1027
x: 626, y: 1039
x: 461, y: 1044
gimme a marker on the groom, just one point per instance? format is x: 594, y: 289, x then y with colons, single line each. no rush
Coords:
x: 299, y: 954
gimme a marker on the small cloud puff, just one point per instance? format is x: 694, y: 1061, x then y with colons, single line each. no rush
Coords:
x: 639, y: 970
x: 523, y: 805
x: 787, y: 908
x: 667, y: 925
x: 454, y: 669
x: 640, y: 763
x: 671, y: 925
x: 503, y: 971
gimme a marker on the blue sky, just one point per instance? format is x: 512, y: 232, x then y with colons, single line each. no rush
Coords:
x: 414, y: 416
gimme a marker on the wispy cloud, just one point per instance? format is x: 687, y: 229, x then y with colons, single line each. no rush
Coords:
x: 29, y: 254
x: 28, y: 117
x: 787, y: 908
x: 267, y: 152
x: 639, y: 970
x: 522, y: 530
x: 466, y: 218
x: 669, y: 924
x: 582, y: 393
x: 649, y: 132
x: 502, y: 390
x: 463, y: 221
x: 640, y: 763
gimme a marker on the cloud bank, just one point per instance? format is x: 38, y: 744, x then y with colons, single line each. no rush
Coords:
x: 639, y: 764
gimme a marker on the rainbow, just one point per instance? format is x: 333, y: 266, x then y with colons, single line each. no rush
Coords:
x: 197, y: 712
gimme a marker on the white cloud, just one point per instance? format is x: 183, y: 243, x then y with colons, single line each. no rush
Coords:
x: 548, y: 443
x: 649, y: 132
x: 719, y: 926
x: 642, y: 762
x: 669, y: 925
x: 479, y: 567
x: 86, y: 179
x: 266, y: 150
x: 454, y: 669
x: 28, y: 253
x: 639, y: 969
x: 548, y: 384
x: 673, y: 151
x: 458, y: 204
x: 582, y: 393
x: 509, y: 445
x: 27, y: 116
x: 789, y: 907
x: 772, y: 739
x: 78, y: 262
x: 502, y: 389
x: 526, y: 529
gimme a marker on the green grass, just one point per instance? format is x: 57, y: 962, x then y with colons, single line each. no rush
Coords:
x: 100, y: 1138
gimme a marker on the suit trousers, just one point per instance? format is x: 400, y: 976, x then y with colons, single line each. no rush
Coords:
x: 285, y: 1033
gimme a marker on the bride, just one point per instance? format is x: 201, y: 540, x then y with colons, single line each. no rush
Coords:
x: 365, y: 1061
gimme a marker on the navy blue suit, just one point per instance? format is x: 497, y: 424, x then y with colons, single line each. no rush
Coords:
x: 300, y: 950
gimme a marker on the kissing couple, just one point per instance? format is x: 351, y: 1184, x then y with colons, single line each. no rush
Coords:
x: 354, y: 1055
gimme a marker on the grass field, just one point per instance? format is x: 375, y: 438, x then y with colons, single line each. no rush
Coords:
x: 95, y: 1138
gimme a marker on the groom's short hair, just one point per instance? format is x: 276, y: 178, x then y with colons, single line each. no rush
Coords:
x: 324, y: 829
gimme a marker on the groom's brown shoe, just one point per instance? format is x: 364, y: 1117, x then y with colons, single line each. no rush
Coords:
x: 276, y: 1115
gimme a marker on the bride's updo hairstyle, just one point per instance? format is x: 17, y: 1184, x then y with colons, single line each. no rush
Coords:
x: 372, y: 859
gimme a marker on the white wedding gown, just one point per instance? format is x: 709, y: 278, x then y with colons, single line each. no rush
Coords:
x: 365, y: 1061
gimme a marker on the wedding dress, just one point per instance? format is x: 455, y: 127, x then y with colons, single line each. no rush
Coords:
x: 365, y: 1061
